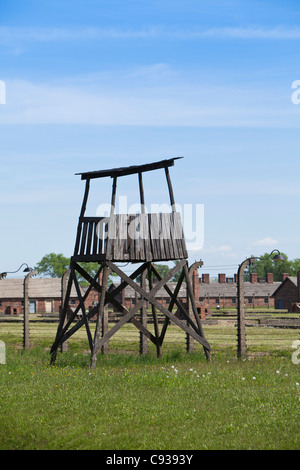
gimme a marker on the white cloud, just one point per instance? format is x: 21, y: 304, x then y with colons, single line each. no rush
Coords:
x: 128, y: 98
x: 222, y: 249
x: 265, y: 242
x: 12, y: 35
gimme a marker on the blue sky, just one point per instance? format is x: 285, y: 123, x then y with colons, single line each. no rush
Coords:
x: 100, y: 84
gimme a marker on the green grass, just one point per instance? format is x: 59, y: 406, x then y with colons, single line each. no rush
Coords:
x: 137, y: 402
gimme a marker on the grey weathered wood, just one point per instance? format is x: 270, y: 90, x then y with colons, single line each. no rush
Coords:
x: 102, y: 319
x: 155, y: 321
x: 83, y: 239
x: 141, y: 237
x: 81, y: 302
x: 64, y: 290
x: 143, y: 319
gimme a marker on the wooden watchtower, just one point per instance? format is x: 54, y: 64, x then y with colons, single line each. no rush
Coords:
x: 136, y: 239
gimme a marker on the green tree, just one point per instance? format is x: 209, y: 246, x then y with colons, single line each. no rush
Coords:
x: 56, y: 264
x: 53, y: 265
x: 295, y: 267
x: 265, y: 264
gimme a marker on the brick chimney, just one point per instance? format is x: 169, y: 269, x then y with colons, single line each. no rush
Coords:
x: 205, y: 278
x: 253, y: 278
x: 298, y: 285
x: 284, y: 276
x: 222, y: 278
x: 270, y: 278
x: 196, y: 285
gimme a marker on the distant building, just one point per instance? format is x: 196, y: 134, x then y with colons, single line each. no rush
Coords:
x: 223, y: 293
x: 287, y: 294
x: 44, y: 296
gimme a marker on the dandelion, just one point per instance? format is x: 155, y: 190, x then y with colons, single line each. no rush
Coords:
x: 243, y: 378
x: 297, y: 384
x: 277, y: 372
x: 254, y: 378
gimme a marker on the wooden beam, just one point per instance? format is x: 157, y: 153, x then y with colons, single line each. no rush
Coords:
x: 80, y: 298
x: 130, y: 170
x: 151, y: 298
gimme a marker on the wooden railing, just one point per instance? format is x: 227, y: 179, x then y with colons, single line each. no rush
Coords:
x: 124, y: 237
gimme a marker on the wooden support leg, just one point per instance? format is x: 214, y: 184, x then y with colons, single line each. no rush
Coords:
x: 100, y: 324
x: 155, y: 321
x: 62, y: 322
x: 64, y: 292
x: 81, y: 302
x: 143, y: 319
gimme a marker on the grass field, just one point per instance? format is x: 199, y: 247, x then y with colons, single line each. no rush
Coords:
x: 132, y: 402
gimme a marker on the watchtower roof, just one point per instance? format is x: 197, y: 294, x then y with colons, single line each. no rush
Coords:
x: 129, y: 170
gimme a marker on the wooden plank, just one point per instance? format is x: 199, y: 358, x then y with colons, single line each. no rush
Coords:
x: 173, y: 238
x: 145, y: 230
x: 95, y: 239
x: 89, y: 238
x: 111, y: 236
x: 156, y: 244
x: 178, y: 235
x: 167, y: 235
x: 83, y: 239
x: 130, y: 238
x: 116, y: 243
x: 163, y: 236
x: 137, y: 238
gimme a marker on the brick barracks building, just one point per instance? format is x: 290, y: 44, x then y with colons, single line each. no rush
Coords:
x: 45, y: 294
